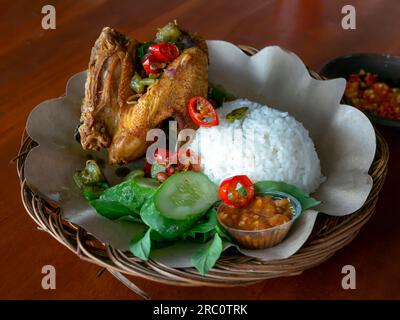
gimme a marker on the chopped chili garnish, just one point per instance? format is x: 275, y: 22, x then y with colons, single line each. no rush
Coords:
x: 165, y: 52
x: 161, y: 157
x: 231, y: 194
x: 151, y: 64
x: 367, y: 94
x: 202, y: 112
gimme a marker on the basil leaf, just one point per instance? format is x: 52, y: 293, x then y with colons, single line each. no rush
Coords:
x: 203, y: 226
x: 141, y: 247
x: 223, y: 233
x: 305, y: 200
x: 143, y: 48
x: 204, y: 259
x: 125, y: 198
x: 131, y: 218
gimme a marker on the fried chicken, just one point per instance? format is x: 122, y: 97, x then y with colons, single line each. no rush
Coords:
x: 109, y: 121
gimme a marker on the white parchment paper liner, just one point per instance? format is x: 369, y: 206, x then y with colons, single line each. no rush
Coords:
x: 343, y: 136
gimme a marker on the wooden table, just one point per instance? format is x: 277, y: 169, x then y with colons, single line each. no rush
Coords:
x: 35, y: 65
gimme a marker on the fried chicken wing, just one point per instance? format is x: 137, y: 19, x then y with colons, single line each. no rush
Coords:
x: 186, y: 77
x: 109, y: 121
x: 107, y: 88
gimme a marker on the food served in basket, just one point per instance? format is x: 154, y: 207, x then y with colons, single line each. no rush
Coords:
x: 164, y: 210
x: 252, y: 164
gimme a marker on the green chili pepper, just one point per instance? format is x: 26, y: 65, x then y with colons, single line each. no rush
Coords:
x: 147, y: 82
x: 90, y: 175
x: 136, y: 84
x: 236, y: 114
x: 168, y: 33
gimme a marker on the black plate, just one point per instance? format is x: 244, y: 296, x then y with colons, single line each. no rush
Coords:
x: 386, y: 66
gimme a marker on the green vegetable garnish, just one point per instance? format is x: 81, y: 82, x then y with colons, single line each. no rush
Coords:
x: 91, y: 174
x: 305, y: 200
x: 136, y: 83
x: 168, y: 33
x: 203, y: 226
x: 217, y: 93
x: 154, y: 75
x: 94, y: 190
x: 141, y: 247
x: 169, y: 229
x: 204, y: 259
x: 125, y: 198
x: 143, y: 48
x: 236, y: 114
x: 147, y: 82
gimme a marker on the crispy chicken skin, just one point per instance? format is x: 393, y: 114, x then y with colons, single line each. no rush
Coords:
x: 108, y: 121
x: 107, y: 88
x: 185, y: 77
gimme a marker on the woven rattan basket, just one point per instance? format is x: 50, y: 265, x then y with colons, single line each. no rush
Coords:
x: 329, y: 235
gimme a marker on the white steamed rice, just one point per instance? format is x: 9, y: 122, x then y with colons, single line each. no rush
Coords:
x: 264, y: 145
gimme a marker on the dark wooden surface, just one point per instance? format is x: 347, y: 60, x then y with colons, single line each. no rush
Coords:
x: 35, y: 65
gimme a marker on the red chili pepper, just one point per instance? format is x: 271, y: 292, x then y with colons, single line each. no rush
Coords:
x: 161, y: 156
x: 202, y: 112
x: 165, y: 52
x: 151, y: 64
x: 190, y: 162
x: 230, y: 195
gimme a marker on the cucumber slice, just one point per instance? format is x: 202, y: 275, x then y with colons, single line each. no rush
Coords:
x: 185, y: 194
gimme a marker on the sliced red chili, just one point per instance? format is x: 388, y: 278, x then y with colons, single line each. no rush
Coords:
x: 165, y: 52
x: 161, y: 157
x: 230, y: 193
x: 151, y: 64
x: 189, y: 161
x: 202, y: 112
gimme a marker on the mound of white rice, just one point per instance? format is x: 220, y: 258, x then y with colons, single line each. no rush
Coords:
x: 266, y: 144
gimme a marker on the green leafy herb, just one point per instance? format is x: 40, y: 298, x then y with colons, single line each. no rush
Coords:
x: 131, y: 218
x: 141, y: 247
x: 204, y: 259
x: 219, y: 94
x: 143, y: 48
x: 94, y: 190
x: 169, y: 229
x: 305, y: 200
x: 125, y: 198
x: 223, y: 233
x: 236, y: 114
x: 203, y: 226
x: 170, y: 32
